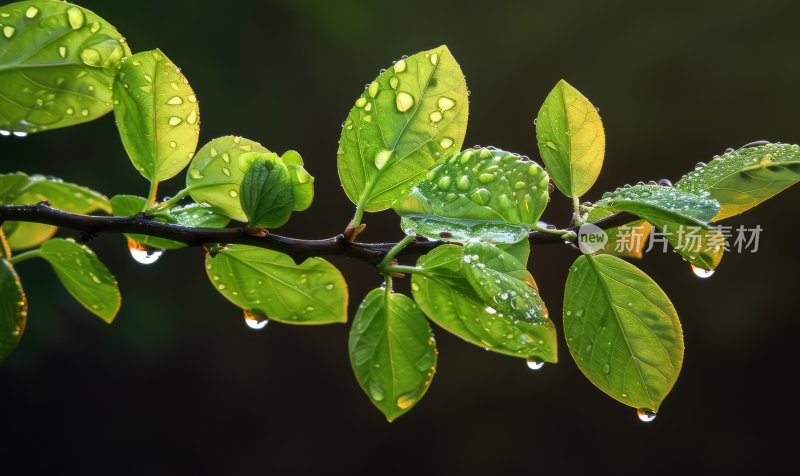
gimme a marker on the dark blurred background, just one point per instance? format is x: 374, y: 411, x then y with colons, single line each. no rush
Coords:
x: 179, y: 384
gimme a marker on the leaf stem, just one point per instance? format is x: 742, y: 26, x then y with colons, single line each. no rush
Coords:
x: 16, y: 259
x: 402, y: 269
x: 576, y: 205
x: 169, y: 203
x: 396, y: 249
x: 151, y: 195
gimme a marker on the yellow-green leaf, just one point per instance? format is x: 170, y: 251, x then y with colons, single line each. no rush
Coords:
x: 157, y: 115
x: 571, y: 139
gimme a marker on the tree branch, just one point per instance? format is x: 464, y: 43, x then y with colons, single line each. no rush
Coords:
x: 338, y: 245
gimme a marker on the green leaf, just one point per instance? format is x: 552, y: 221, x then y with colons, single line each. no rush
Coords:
x: 266, y: 192
x: 571, y: 139
x: 445, y: 294
x: 625, y: 241
x: 682, y: 217
x: 407, y: 120
x: 302, y: 181
x: 13, y: 304
x: 392, y: 351
x: 192, y: 215
x: 483, y: 194
x: 268, y: 283
x: 157, y: 114
x: 214, y: 175
x: 622, y: 330
x: 21, y: 189
x: 84, y: 276
x: 56, y: 66
x: 742, y: 179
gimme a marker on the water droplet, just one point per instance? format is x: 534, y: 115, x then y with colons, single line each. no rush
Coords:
x: 400, y: 66
x: 446, y: 143
x: 31, y: 12
x: 463, y: 183
x: 646, y: 415
x: 143, y: 254
x: 95, y: 27
x: 192, y: 117
x: 376, y: 392
x: 8, y: 31
x: 445, y: 103
x: 382, y: 157
x: 699, y: 165
x: 414, y: 287
x: 90, y: 57
x: 444, y: 183
x: 255, y: 320
x: 665, y: 183
x: 175, y: 100
x: 233, y: 193
x: 393, y: 82
x: 20, y: 134
x: 361, y: 102
x: 174, y: 121
x: 535, y: 364
x: 702, y: 273
x: 435, y: 116
x: 404, y: 101
x: 486, y: 178
x: 75, y: 17
x: 434, y: 59
x: 373, y: 89
x: 405, y: 401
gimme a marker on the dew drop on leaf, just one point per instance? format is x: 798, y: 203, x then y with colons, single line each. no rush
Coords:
x: 646, y: 415
x: 535, y: 364
x: 255, y: 320
x: 143, y: 254
x: 702, y: 273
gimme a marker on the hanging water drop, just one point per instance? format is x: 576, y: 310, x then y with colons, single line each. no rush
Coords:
x: 646, y: 415
x: 255, y: 320
x: 534, y: 364
x: 143, y: 254
x: 20, y: 134
x: 702, y: 273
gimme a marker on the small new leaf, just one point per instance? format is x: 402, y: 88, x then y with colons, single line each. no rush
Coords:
x: 84, y: 276
x: 407, y: 120
x: 571, y: 139
x: 56, y: 66
x: 622, y: 330
x: 266, y: 192
x: 485, y: 194
x: 742, y: 179
x: 269, y: 283
x: 392, y: 351
x: 157, y: 115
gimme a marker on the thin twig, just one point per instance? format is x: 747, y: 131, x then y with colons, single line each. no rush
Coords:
x: 372, y: 253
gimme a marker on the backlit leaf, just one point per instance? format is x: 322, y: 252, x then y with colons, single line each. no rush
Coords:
x: 571, y: 139
x: 56, y: 66
x: 411, y: 117
x: 742, y: 179
x: 392, y: 351
x: 627, y: 240
x: 157, y: 114
x: 485, y: 194
x: 268, y: 283
x: 622, y: 330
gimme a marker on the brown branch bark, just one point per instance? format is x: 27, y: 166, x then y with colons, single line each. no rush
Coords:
x: 337, y: 245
